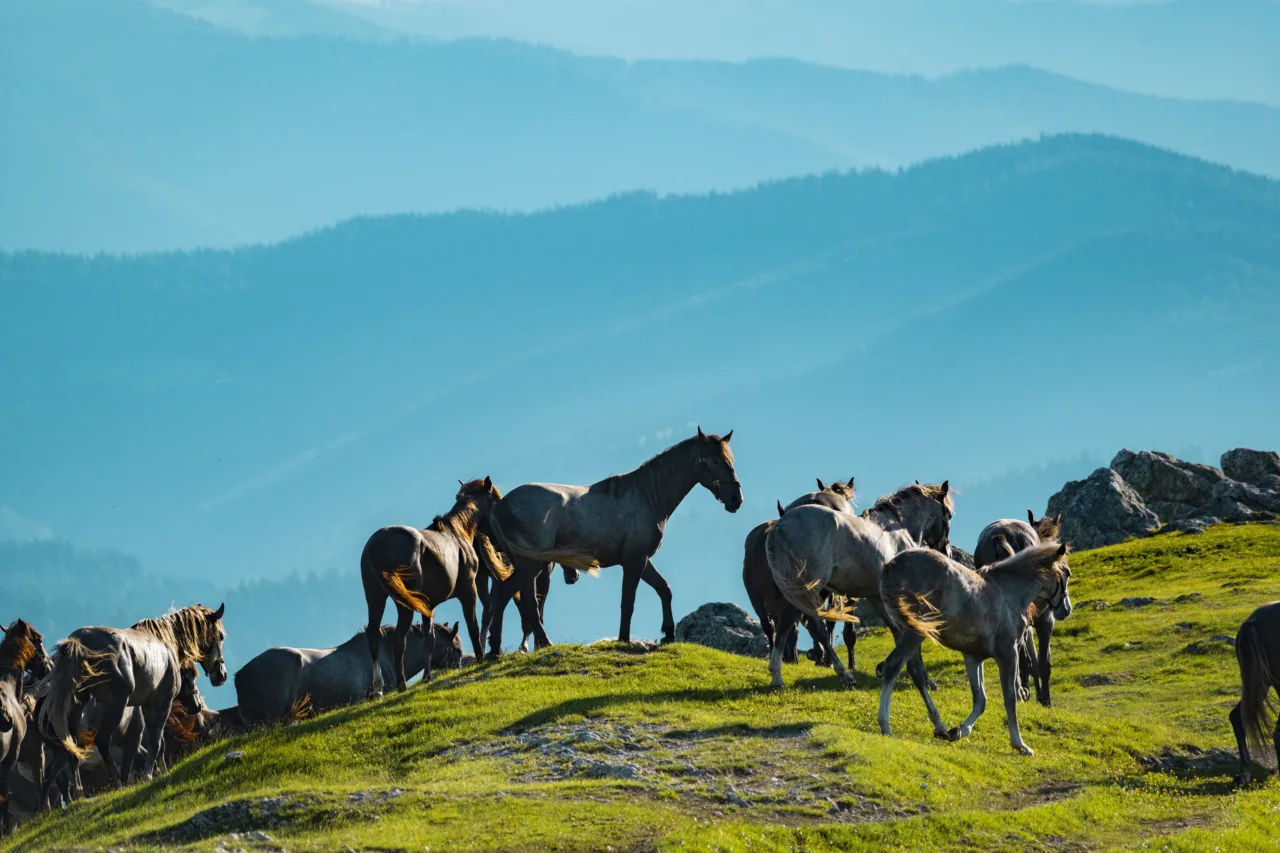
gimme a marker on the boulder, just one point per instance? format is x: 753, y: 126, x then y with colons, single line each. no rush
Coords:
x: 1101, y: 510
x: 1170, y: 488
x: 1258, y: 468
x: 723, y: 626
x: 1251, y: 497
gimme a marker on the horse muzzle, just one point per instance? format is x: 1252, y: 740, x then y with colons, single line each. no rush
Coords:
x: 217, y: 674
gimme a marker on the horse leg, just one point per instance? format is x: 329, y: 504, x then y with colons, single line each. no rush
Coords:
x: 373, y: 634
x: 112, y: 712
x: 499, y: 596
x: 529, y: 615
x: 974, y: 669
x: 1044, y: 632
x: 1026, y: 663
x: 1008, y: 663
x: 785, y: 627
x: 404, y: 621
x: 132, y: 743
x: 846, y: 676
x: 631, y: 574
x: 659, y: 584
x: 529, y: 610
x: 906, y: 645
x: 6, y: 767
x: 1245, y: 775
x: 468, y: 601
x: 850, y: 637
x: 154, y: 719
x: 915, y: 664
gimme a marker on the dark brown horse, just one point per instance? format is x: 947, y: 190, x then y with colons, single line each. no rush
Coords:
x: 1006, y: 537
x: 1254, y: 717
x: 421, y: 569
x: 763, y: 592
x: 617, y: 521
x: 21, y: 654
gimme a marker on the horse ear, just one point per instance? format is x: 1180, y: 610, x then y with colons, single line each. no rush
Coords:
x: 1062, y: 549
x: 1031, y: 518
x: 1057, y: 519
x: 850, y: 482
x: 821, y: 487
x: 701, y: 434
x: 460, y: 483
x: 728, y: 435
x: 782, y: 510
x: 917, y: 482
x: 488, y: 483
x: 217, y: 614
x: 453, y: 632
x: 946, y: 486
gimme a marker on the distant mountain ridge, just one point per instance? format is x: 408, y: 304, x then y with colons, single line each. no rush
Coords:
x: 131, y: 128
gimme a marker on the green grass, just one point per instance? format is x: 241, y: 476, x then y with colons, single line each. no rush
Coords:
x: 806, y: 765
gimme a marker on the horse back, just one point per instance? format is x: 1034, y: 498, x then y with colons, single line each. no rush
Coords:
x: 1016, y: 532
x: 265, y: 686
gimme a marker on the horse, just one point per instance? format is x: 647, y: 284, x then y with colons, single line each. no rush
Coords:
x: 192, y: 724
x: 761, y: 589
x: 421, y: 569
x: 1003, y: 538
x: 617, y: 521
x: 21, y: 654
x: 122, y: 668
x: 980, y: 614
x: 815, y: 551
x: 276, y: 682
x: 1254, y: 717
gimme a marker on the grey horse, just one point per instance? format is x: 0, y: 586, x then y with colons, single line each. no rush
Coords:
x: 981, y: 614
x: 21, y: 654
x: 1000, y: 539
x: 616, y: 521
x: 815, y: 551
x: 280, y: 680
x: 124, y: 668
x: 763, y: 592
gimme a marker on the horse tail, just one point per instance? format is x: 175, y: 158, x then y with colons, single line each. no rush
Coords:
x: 789, y: 574
x: 1257, y: 708
x: 394, y: 579
x: 918, y: 614
x: 568, y: 557
x: 75, y: 668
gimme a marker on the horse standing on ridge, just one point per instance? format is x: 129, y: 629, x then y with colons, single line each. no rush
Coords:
x: 1254, y: 717
x: 617, y: 521
x: 763, y: 592
x: 421, y: 569
x: 123, y: 668
x: 1004, y: 538
x: 981, y: 614
x: 21, y: 653
x: 815, y: 551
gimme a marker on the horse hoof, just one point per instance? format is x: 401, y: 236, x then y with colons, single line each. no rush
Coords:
x: 1045, y: 701
x: 847, y: 679
x: 880, y: 670
x: 1024, y: 749
x: 1242, y: 780
x: 954, y: 734
x: 374, y: 695
x: 931, y: 684
x: 943, y: 734
x: 776, y: 684
x: 1024, y: 695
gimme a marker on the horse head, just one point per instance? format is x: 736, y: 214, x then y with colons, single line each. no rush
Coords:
x: 214, y: 665
x: 925, y: 510
x: 29, y: 642
x: 1049, y: 527
x: 715, y: 469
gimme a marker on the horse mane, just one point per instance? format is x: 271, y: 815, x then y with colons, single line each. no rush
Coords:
x: 460, y: 521
x: 189, y: 632
x: 1048, y: 528
x: 16, y: 650
x: 844, y: 490
x: 932, y: 491
x: 1048, y: 559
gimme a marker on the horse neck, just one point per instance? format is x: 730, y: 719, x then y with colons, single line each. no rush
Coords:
x: 1021, y: 590
x: 13, y: 663
x: 895, y: 529
x: 667, y: 478
x: 461, y: 520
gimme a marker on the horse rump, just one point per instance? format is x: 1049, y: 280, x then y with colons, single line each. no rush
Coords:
x: 1258, y: 708
x: 75, y: 669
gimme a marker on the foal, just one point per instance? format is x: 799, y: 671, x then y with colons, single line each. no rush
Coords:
x: 1254, y: 716
x: 981, y: 614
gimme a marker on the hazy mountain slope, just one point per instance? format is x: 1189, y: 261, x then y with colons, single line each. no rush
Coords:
x: 1180, y: 48
x: 240, y: 414
x: 132, y: 128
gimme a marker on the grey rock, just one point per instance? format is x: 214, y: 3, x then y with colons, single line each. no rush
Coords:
x: 1101, y: 510
x: 1189, y: 525
x: 1248, y: 495
x: 1172, y: 488
x: 1224, y: 638
x: 723, y: 626
x: 1258, y: 468
x: 234, y: 757
x: 1137, y: 601
x: 257, y: 835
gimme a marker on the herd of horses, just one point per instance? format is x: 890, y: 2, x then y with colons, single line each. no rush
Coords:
x: 113, y: 705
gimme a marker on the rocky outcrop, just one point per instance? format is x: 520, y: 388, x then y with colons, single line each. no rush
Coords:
x: 1148, y: 491
x: 1258, y: 468
x: 1101, y: 510
x: 723, y: 626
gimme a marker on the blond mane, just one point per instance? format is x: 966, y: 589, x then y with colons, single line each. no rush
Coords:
x: 189, y: 632
x: 461, y: 523
x: 932, y: 491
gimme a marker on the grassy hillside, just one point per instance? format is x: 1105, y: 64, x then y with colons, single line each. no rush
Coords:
x: 579, y: 748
